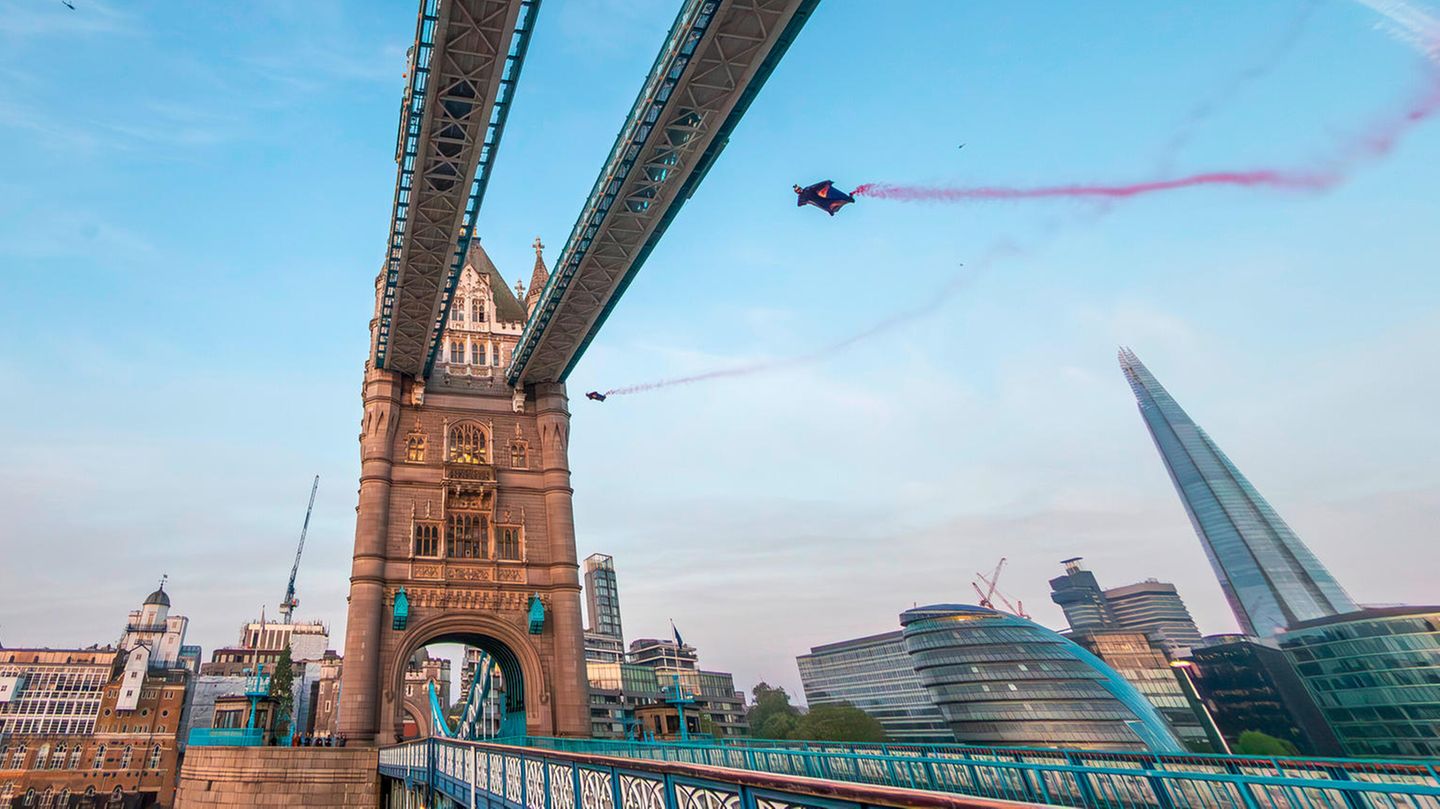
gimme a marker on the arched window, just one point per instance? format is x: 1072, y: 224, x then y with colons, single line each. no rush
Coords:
x: 125, y: 758
x: 17, y: 762
x: 477, y: 310
x: 64, y: 799
x: 466, y: 536
x: 42, y: 757
x: 75, y: 758
x: 518, y: 453
x: 507, y: 542
x: 415, y: 448
x: 457, y: 312
x: 99, y: 762
x: 46, y: 798
x: 117, y: 799
x: 495, y: 354
x: 457, y: 352
x: 154, y: 762
x: 475, y: 358
x: 57, y: 759
x: 467, y: 444
x: 427, y: 539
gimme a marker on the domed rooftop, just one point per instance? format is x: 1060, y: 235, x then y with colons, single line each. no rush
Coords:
x: 158, y: 597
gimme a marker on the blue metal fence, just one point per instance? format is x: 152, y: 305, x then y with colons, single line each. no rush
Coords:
x: 436, y: 772
x: 1062, y: 778
x: 226, y: 737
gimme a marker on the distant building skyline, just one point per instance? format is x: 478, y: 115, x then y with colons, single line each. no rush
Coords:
x: 1151, y: 606
x: 1269, y: 576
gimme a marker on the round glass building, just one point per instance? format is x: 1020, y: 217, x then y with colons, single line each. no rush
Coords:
x: 1002, y: 680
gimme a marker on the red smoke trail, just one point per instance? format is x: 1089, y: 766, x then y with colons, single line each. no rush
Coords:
x: 1293, y: 181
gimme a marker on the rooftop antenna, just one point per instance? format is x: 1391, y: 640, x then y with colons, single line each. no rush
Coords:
x: 290, y: 602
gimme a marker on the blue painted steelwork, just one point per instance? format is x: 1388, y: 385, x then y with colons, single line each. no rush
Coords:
x: 226, y: 737
x: 438, y: 725
x: 670, y: 65
x: 536, y: 614
x: 437, y: 772
x: 1060, y: 777
x: 407, y: 147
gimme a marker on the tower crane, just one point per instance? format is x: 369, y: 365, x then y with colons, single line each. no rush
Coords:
x: 992, y: 591
x: 290, y: 602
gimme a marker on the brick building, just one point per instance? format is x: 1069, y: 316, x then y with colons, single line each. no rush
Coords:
x: 99, y: 726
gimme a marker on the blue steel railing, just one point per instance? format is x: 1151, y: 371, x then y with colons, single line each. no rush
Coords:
x: 227, y: 737
x: 475, y: 774
x: 1065, y: 778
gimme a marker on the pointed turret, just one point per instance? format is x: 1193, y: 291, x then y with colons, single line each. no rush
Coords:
x: 519, y: 289
x: 537, y: 278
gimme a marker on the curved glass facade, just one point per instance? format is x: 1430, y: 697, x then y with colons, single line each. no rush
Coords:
x: 1269, y: 576
x: 1375, y: 674
x: 1000, y: 679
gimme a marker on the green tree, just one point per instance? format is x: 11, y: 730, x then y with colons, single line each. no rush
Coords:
x: 838, y: 723
x: 1255, y: 743
x: 768, y: 712
x: 282, y: 688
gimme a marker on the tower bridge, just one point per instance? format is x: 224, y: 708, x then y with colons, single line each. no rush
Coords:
x: 465, y: 527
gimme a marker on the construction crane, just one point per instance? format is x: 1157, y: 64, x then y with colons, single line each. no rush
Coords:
x: 992, y: 591
x: 290, y: 602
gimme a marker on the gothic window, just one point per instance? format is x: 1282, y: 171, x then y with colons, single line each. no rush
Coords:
x: 17, y: 762
x: 475, y: 358
x: 457, y: 351
x: 518, y: 453
x: 457, y: 312
x: 477, y: 310
x: 154, y: 762
x: 99, y: 763
x: 467, y: 444
x: 507, y: 542
x: 427, y: 539
x: 466, y: 536
x: 45, y: 798
x: 42, y: 756
x: 415, y: 448
x: 495, y: 354
x: 125, y: 758
x: 117, y: 798
x: 74, y: 758
x: 57, y: 759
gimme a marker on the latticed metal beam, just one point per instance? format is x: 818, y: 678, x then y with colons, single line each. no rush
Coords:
x: 465, y: 64
x: 715, y: 60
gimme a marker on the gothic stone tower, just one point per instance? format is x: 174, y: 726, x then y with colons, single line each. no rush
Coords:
x: 465, y: 503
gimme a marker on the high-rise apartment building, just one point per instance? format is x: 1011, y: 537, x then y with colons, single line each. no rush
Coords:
x: 1271, y: 579
x: 1151, y: 606
x: 602, y: 596
x: 1001, y: 680
x: 874, y: 674
x: 1155, y: 608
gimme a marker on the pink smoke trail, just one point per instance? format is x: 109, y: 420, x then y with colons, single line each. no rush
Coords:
x: 1295, y: 181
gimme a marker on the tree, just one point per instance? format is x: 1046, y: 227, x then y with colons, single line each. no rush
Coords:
x: 282, y: 688
x: 1255, y: 743
x: 770, y: 704
x: 842, y: 722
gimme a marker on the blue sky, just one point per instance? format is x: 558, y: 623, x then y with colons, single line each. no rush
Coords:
x: 194, y: 204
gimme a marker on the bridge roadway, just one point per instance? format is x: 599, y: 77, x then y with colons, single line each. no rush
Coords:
x: 572, y: 773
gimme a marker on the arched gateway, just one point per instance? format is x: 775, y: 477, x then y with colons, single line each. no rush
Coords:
x: 465, y: 504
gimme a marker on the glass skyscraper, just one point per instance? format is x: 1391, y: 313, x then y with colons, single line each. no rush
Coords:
x: 1270, y: 578
x: 875, y: 675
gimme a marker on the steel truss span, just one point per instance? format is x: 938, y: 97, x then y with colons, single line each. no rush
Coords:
x: 572, y: 773
x: 714, y: 62
x: 464, y: 66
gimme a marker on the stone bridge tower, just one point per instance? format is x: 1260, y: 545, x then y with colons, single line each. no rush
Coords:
x: 465, y: 506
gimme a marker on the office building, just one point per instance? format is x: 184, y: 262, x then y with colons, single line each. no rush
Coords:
x: 1375, y: 673
x: 874, y: 674
x: 96, y: 723
x: 1250, y: 685
x: 1002, y: 680
x: 1136, y: 657
x: 1271, y: 579
x: 602, y: 596
x: 1079, y: 595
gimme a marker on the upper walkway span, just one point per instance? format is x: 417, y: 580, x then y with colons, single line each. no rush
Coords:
x: 565, y: 773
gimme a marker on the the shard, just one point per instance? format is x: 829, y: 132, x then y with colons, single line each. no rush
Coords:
x: 1270, y: 577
